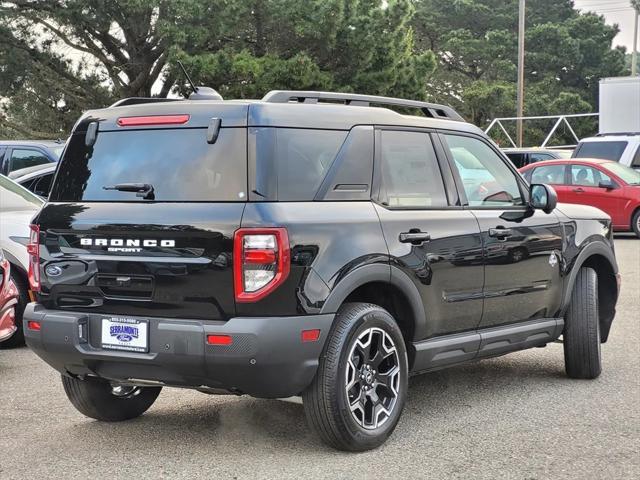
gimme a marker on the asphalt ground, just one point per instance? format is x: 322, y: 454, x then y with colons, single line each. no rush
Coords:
x: 516, y: 417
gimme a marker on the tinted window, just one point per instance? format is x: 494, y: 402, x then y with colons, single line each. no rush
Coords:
x: 603, y: 150
x: 490, y: 182
x: 42, y: 185
x: 24, y: 158
x: 179, y: 164
x: 636, y: 158
x: 291, y: 163
x: 15, y: 197
x: 587, y: 176
x: 410, y: 173
x: 552, y: 174
x: 518, y: 159
x: 537, y: 157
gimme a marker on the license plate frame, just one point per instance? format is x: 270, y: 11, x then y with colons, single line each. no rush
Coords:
x: 125, y: 334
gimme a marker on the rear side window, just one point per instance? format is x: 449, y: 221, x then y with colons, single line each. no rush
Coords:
x: 411, y: 176
x: 27, y: 157
x: 291, y: 163
x: 538, y: 157
x: 551, y: 174
x: 603, y: 150
x: 636, y: 158
x: 178, y: 163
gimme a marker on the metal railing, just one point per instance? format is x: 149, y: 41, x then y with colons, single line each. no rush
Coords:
x: 560, y: 120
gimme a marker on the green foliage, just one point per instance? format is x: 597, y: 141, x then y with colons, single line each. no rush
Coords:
x: 459, y: 52
x: 566, y: 53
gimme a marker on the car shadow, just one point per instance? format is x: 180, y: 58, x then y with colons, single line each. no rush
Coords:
x: 223, y: 422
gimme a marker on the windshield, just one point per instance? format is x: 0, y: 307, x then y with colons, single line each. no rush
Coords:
x: 178, y: 164
x: 603, y: 150
x: 628, y: 175
x: 14, y: 197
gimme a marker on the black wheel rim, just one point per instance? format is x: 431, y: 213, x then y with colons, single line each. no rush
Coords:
x: 372, y: 378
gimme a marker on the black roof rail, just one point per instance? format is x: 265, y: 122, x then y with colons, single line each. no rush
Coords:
x: 137, y: 100
x: 432, y: 110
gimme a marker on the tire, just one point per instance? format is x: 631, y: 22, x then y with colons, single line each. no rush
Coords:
x: 581, y: 338
x: 96, y: 399
x: 635, y: 223
x: 327, y: 400
x: 17, y: 339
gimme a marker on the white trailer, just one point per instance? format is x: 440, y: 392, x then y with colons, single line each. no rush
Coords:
x: 620, y: 104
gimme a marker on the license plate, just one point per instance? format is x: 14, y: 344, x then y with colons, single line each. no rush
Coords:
x: 130, y: 334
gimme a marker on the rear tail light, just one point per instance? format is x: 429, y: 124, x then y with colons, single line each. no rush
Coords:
x: 33, y: 325
x: 33, y: 249
x: 260, y: 262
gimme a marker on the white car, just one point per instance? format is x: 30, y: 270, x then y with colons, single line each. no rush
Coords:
x: 17, y: 207
x: 621, y: 147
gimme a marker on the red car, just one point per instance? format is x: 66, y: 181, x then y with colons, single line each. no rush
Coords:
x: 8, y: 301
x: 605, y: 184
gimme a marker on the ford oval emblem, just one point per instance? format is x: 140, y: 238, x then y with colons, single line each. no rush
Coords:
x: 53, y: 271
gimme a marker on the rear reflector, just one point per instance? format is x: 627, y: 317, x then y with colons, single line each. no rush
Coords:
x: 311, y: 335
x: 31, y: 325
x: 219, y: 339
x: 153, y: 120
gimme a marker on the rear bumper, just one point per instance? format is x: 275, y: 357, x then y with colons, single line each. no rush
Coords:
x: 266, y: 359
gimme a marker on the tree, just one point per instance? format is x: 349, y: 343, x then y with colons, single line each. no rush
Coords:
x: 348, y: 45
x: 476, y: 45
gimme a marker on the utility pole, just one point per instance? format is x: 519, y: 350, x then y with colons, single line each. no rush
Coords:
x: 520, y: 93
x: 634, y: 55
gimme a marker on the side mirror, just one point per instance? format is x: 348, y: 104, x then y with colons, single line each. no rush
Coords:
x: 543, y: 197
x: 608, y: 184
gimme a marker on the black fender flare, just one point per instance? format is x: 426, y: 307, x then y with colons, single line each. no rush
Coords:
x: 384, y: 273
x: 594, y: 248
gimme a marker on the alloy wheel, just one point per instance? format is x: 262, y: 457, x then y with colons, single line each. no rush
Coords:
x: 372, y: 378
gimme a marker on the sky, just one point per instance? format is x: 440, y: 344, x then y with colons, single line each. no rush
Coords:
x: 614, y: 11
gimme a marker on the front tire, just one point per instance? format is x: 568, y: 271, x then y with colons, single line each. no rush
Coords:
x: 581, y: 338
x: 357, y: 396
x: 107, y: 402
x: 635, y: 223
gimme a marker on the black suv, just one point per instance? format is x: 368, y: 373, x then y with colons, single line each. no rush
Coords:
x: 309, y: 243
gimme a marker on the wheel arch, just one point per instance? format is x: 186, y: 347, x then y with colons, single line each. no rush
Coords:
x: 388, y: 287
x: 599, y: 257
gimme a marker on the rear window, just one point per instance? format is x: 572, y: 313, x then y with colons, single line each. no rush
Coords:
x: 603, y: 150
x: 178, y: 163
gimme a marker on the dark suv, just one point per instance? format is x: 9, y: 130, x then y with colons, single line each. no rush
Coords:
x: 309, y: 243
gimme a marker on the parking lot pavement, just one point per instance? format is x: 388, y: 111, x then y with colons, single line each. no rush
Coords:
x: 516, y: 416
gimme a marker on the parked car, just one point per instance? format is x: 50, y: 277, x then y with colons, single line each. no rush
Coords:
x: 524, y: 156
x: 21, y: 154
x: 605, y: 184
x: 36, y: 179
x: 620, y: 147
x: 8, y: 301
x: 302, y: 245
x: 17, y: 207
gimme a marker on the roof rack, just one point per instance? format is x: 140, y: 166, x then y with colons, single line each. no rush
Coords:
x: 137, y: 100
x: 432, y: 110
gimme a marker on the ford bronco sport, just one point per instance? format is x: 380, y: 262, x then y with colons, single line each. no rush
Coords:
x: 310, y: 243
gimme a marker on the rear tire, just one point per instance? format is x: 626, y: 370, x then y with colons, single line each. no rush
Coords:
x: 581, y: 339
x: 101, y: 400
x: 17, y: 339
x: 357, y: 396
x: 635, y: 223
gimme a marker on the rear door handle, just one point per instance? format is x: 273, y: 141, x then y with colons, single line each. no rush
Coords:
x: 578, y: 190
x: 500, y: 232
x: 414, y: 237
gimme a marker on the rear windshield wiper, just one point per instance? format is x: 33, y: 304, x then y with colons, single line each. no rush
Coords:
x: 144, y: 190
